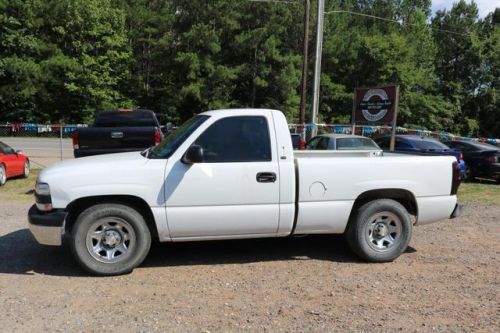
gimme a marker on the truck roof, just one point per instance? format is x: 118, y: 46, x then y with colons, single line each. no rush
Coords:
x: 236, y: 112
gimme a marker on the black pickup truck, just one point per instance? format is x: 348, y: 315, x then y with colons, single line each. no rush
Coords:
x: 117, y: 132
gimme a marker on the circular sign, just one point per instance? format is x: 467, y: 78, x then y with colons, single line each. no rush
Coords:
x: 375, y: 104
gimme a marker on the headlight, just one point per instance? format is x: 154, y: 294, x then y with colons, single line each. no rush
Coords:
x: 42, y: 197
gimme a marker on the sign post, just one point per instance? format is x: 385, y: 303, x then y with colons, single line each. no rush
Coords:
x: 394, y: 126
x: 376, y: 106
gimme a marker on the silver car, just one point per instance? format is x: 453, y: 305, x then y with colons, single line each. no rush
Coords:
x: 342, y: 142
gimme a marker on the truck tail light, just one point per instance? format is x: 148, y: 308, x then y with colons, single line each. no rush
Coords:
x: 455, y: 178
x: 491, y: 159
x: 76, y: 139
x: 157, y: 136
x: 302, y: 144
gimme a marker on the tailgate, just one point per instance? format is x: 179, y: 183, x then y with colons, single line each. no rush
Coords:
x: 116, y: 137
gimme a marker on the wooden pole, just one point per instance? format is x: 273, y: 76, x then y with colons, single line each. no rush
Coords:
x: 305, y: 51
x: 394, y: 121
x: 353, y: 117
x: 317, y: 65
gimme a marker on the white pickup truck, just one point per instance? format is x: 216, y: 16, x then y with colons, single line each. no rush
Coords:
x: 233, y: 174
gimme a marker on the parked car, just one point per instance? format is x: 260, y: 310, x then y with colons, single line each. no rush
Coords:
x: 233, y: 174
x: 12, y: 163
x: 297, y: 142
x: 342, y: 142
x: 421, y: 145
x: 483, y: 160
x: 117, y: 132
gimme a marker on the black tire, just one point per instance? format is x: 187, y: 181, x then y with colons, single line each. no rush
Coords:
x: 106, y: 229
x: 3, y: 175
x: 472, y: 176
x: 375, y: 225
x: 26, y: 170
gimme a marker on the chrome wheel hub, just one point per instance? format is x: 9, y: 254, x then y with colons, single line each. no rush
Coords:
x: 110, y: 240
x: 380, y: 230
x: 384, y: 231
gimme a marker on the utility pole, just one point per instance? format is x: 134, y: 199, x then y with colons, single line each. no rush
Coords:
x: 305, y: 51
x: 317, y: 64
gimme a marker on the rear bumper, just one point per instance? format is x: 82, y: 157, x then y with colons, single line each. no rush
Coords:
x: 437, y: 208
x: 47, y: 228
x: 457, y: 211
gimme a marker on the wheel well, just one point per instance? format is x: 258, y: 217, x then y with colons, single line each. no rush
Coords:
x: 76, y: 207
x: 404, y: 197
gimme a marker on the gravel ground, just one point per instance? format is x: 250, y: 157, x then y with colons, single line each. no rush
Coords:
x: 449, y: 280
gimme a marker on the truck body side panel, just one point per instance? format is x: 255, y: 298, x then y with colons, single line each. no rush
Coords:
x: 328, y: 186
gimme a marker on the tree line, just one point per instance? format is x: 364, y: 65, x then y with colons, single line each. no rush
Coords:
x: 61, y: 60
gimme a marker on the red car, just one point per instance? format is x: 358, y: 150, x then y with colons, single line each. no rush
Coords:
x: 12, y: 163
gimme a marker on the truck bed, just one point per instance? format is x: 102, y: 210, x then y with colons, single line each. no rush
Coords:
x: 329, y: 183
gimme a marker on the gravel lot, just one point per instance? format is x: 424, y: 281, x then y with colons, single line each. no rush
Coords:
x: 449, y: 280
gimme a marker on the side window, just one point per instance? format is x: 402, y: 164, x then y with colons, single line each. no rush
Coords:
x: 322, y: 144
x: 465, y: 147
x: 311, y: 145
x: 6, y: 149
x: 383, y: 143
x: 400, y: 144
x: 236, y: 139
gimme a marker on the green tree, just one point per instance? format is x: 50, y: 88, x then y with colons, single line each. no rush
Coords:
x: 86, y: 59
x: 20, y: 47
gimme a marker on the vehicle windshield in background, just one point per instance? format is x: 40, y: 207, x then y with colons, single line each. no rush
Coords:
x: 125, y: 119
x: 483, y: 145
x: 356, y: 143
x: 429, y: 145
x: 170, y: 144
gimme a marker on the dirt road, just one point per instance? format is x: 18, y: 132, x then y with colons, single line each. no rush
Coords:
x: 449, y: 280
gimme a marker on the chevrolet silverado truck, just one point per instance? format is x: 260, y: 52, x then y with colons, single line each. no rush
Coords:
x: 233, y: 174
x: 118, y: 131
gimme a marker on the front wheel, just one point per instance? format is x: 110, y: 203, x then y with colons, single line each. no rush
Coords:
x: 26, y: 170
x: 110, y: 239
x: 3, y: 175
x: 380, y: 231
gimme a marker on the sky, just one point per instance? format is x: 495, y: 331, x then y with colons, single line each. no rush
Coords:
x: 484, y: 6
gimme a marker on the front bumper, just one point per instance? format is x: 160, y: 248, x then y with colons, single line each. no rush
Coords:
x: 47, y: 228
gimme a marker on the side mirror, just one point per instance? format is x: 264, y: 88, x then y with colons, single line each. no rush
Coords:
x: 194, y: 154
x: 18, y: 152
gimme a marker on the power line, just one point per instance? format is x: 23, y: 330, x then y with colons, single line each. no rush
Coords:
x: 395, y: 21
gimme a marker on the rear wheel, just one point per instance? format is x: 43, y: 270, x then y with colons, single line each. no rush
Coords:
x: 380, y: 231
x: 110, y: 239
x: 26, y: 171
x: 3, y: 175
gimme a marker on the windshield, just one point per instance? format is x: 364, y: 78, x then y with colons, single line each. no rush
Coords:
x: 170, y: 144
x: 483, y: 145
x: 356, y: 144
x: 429, y: 144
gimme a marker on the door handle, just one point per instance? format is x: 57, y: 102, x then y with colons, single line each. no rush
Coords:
x: 116, y: 135
x: 266, y: 177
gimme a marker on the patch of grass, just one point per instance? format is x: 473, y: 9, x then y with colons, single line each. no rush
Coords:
x: 476, y: 192
x: 19, y: 189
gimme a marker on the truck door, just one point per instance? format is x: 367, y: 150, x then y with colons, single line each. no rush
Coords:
x: 235, y: 190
